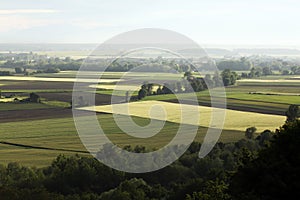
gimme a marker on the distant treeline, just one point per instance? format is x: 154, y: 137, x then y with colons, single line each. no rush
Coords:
x: 237, y: 65
x: 262, y: 66
x: 47, y: 64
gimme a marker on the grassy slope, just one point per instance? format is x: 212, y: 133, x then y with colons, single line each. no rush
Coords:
x: 61, y: 134
x: 22, y: 106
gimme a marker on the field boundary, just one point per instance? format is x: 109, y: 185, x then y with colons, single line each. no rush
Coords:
x: 42, y: 148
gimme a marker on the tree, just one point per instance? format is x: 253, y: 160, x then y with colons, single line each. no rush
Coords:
x: 255, y: 72
x: 52, y: 70
x: 18, y: 70
x: 239, y: 65
x: 295, y: 70
x: 265, y: 137
x: 252, y: 73
x: 244, y: 75
x: 187, y: 74
x: 208, y: 80
x: 142, y: 93
x: 229, y: 77
x: 275, y: 173
x: 159, y: 90
x: 258, y: 72
x: 5, y: 73
x: 67, y: 59
x: 133, y: 189
x: 68, y: 175
x: 217, y: 79
x: 250, y: 132
x: 146, y: 89
x: 149, y: 88
x: 292, y: 113
x: 267, y: 71
x: 167, y: 89
x: 33, y: 97
x: 216, y: 190
x: 285, y: 72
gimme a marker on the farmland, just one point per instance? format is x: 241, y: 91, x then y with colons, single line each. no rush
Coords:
x: 45, y: 130
x: 235, y: 120
x: 25, y: 106
x: 204, y: 107
x: 60, y: 134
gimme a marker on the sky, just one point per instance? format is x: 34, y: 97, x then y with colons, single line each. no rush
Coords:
x: 208, y: 22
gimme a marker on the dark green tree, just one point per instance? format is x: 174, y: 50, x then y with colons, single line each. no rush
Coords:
x: 18, y: 70
x: 229, y: 77
x: 267, y: 71
x: 33, y: 97
x: 249, y: 133
x: 217, y: 79
x: 292, y: 113
x: 209, y: 81
x: 275, y: 173
x: 142, y: 93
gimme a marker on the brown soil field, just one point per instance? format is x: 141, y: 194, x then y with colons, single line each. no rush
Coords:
x: 48, y: 113
x: 34, y: 114
x: 36, y: 85
x: 100, y: 99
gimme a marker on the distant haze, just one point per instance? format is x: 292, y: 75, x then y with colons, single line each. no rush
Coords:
x: 231, y: 23
x: 220, y: 50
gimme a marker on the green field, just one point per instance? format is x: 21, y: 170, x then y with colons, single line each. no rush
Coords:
x: 39, y: 141
x: 22, y: 106
x: 36, y: 90
x: 60, y: 104
x: 269, y: 82
x: 113, y: 75
x: 238, y: 100
x: 60, y: 134
x: 271, y: 98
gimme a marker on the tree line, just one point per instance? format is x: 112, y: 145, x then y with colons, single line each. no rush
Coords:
x: 260, y: 65
x: 191, y: 83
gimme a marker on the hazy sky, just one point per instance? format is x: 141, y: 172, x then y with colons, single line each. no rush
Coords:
x: 221, y: 22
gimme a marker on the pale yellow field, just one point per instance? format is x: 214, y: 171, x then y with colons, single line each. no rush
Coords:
x: 25, y: 78
x: 234, y: 120
x: 120, y: 87
x: 6, y: 100
x: 117, y: 87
